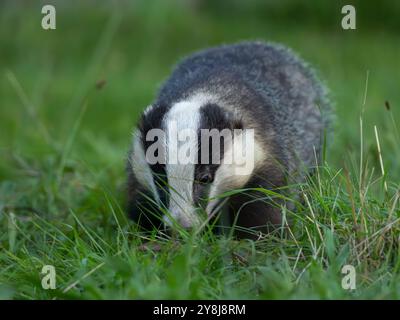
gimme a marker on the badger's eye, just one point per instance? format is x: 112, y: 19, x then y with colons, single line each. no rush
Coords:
x: 206, y: 178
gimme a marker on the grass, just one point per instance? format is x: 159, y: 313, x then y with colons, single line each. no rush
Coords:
x: 63, y: 141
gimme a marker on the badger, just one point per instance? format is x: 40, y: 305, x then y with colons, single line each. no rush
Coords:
x: 253, y: 87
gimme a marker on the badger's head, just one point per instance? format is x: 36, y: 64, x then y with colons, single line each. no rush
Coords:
x: 184, y: 157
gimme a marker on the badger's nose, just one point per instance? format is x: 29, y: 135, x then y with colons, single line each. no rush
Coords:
x: 186, y: 222
x: 181, y: 219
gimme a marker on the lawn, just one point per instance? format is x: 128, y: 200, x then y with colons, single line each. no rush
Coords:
x: 70, y: 97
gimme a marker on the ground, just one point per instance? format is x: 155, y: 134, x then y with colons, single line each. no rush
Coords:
x: 69, y: 99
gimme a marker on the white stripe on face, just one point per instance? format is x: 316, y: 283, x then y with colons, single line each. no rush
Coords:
x: 182, y: 116
x: 229, y: 175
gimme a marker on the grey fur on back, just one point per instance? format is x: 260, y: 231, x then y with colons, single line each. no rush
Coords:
x: 267, y: 87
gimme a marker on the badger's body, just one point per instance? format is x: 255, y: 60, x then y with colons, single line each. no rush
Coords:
x: 250, y: 85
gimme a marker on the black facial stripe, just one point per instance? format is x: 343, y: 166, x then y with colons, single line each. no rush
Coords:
x: 153, y: 120
x: 212, y: 116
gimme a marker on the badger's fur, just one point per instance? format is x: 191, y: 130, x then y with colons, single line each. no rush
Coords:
x: 251, y: 85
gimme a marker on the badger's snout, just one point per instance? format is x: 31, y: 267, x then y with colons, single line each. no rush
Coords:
x: 177, y: 217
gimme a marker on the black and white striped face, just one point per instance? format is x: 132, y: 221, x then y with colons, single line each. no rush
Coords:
x: 189, y: 153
